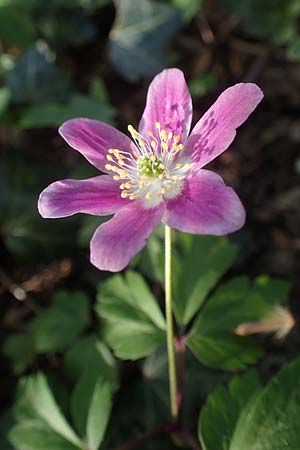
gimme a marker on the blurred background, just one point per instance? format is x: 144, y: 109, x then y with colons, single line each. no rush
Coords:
x: 61, y: 59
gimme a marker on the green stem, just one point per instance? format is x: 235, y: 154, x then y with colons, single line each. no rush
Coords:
x: 169, y: 317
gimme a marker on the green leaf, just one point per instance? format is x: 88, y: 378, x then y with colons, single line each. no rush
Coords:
x: 212, y: 338
x: 15, y: 28
x: 94, y: 357
x: 271, y: 420
x: 21, y: 351
x: 54, y: 114
x: 134, y: 322
x: 99, y: 413
x: 35, y: 435
x: 36, y: 403
x: 95, y: 371
x: 4, y: 99
x: 35, y: 80
x: 187, y: 8
x: 204, y: 261
x: 133, y: 340
x: 56, y: 327
x: 139, y: 36
x: 224, y: 350
x: 219, y: 416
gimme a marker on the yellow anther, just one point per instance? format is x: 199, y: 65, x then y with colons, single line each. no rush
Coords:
x: 131, y: 197
x: 149, y: 133
x: 175, y: 177
x: 158, y: 125
x: 169, y: 187
x: 109, y: 157
x: 170, y: 135
x: 163, y: 135
x: 128, y: 185
x: 141, y: 184
x: 164, y: 145
x: 133, y: 131
x: 120, y: 156
x: 148, y: 195
x: 153, y: 158
x: 161, y: 166
x: 178, y: 165
x: 122, y: 186
x: 141, y: 142
x: 114, y: 169
x: 163, y: 190
x: 187, y: 166
x: 179, y: 147
x: 161, y: 176
x: 167, y: 175
x: 136, y: 154
x: 121, y: 162
x: 108, y: 166
x: 124, y: 194
x: 177, y: 139
x: 111, y: 150
x: 153, y: 145
x: 123, y: 173
x: 116, y: 177
x: 158, y: 193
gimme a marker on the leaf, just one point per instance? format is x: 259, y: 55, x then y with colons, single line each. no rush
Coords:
x: 54, y: 114
x: 36, y: 403
x: 212, y: 338
x: 133, y: 340
x: 16, y: 29
x: 20, y: 349
x: 56, y: 327
x: 35, y: 435
x: 4, y: 99
x: 139, y: 35
x: 271, y: 421
x: 134, y: 322
x: 204, y: 261
x: 187, y: 8
x: 99, y: 413
x: 225, y: 351
x: 94, y: 357
x: 219, y: 416
x: 35, y: 80
x: 92, y: 372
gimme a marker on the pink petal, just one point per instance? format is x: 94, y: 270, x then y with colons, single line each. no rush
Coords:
x: 205, y: 206
x: 118, y: 240
x: 168, y: 102
x: 217, y: 128
x: 96, y: 196
x: 93, y: 139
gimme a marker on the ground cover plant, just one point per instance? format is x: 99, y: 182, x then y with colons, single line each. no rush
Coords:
x: 165, y: 314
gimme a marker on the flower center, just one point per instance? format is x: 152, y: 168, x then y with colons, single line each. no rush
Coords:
x: 150, y: 166
x: 155, y: 170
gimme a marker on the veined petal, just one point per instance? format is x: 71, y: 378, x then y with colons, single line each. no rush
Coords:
x: 205, y: 206
x: 98, y: 196
x: 169, y: 103
x: 93, y: 139
x: 118, y: 240
x: 217, y: 128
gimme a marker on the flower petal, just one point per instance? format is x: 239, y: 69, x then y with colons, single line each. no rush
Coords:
x: 118, y: 240
x: 205, y: 206
x: 96, y: 196
x: 217, y: 128
x: 168, y: 102
x: 93, y: 139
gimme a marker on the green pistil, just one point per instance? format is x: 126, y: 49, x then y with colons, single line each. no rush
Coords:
x: 150, y: 166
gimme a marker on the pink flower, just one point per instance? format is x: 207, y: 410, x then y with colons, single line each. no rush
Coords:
x: 156, y: 176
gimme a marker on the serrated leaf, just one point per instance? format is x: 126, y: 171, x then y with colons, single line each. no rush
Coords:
x: 271, y: 420
x: 56, y: 327
x: 204, y: 261
x: 139, y: 36
x: 212, y: 338
x: 221, y: 412
x: 36, y: 403
x: 133, y: 340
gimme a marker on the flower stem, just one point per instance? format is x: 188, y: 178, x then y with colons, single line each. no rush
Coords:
x: 169, y: 317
